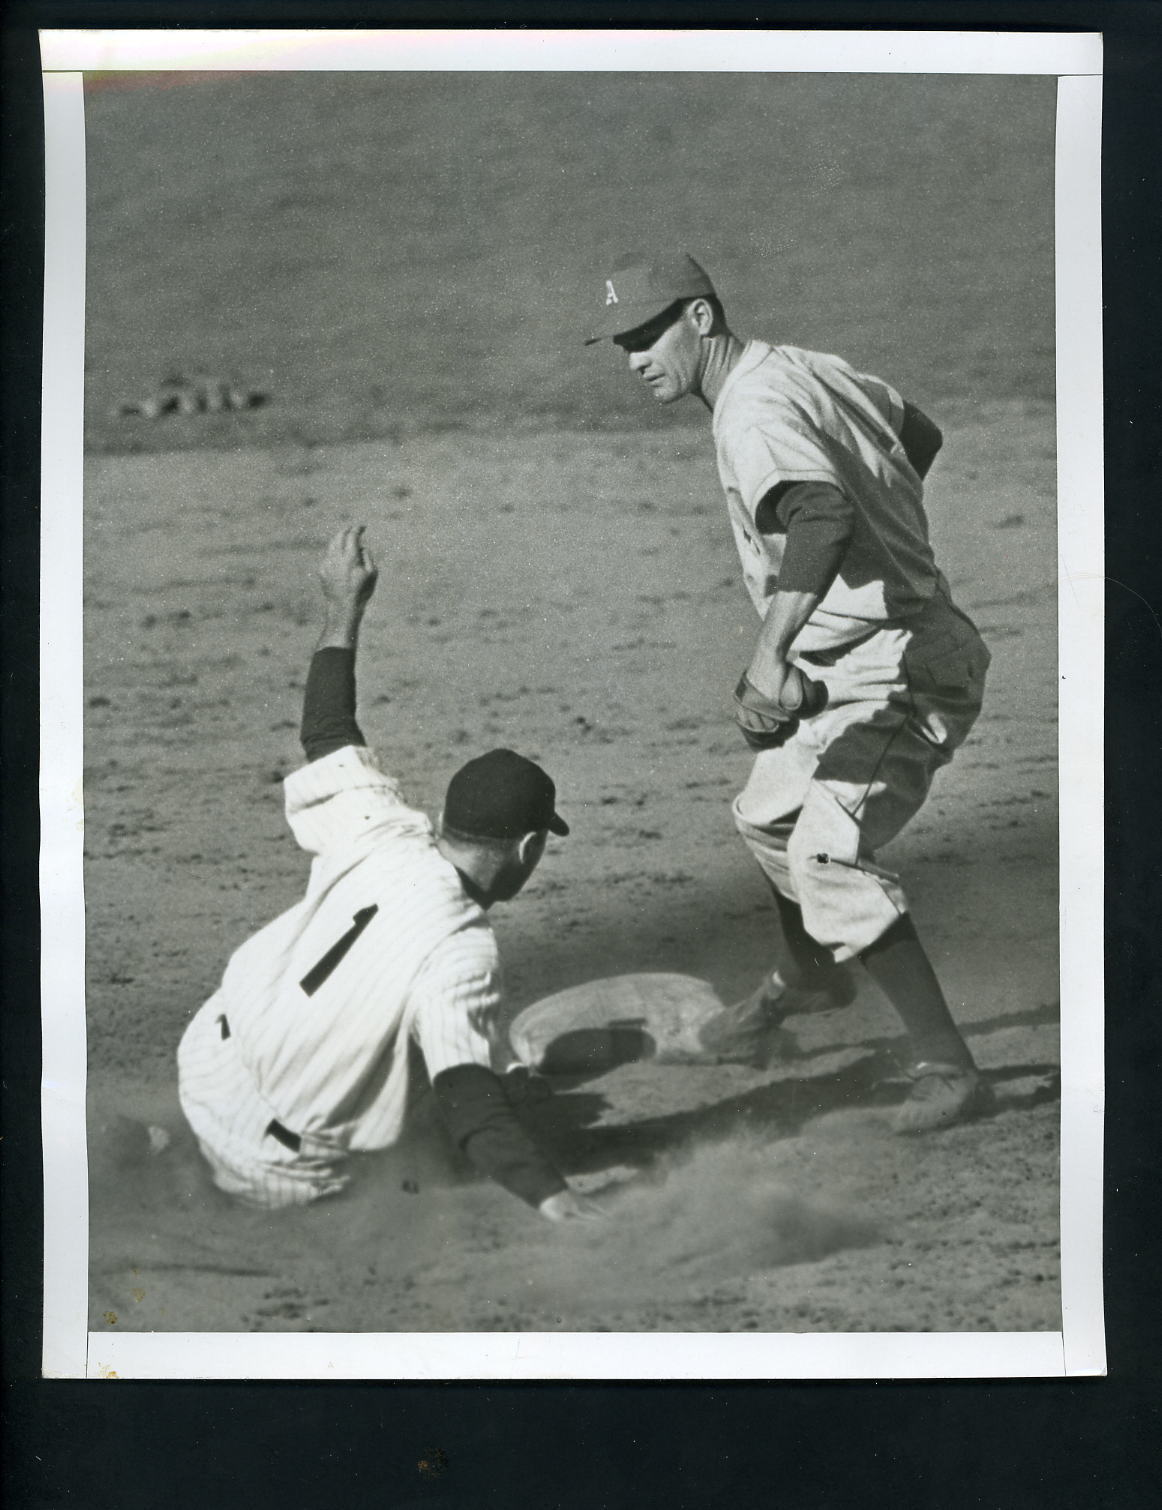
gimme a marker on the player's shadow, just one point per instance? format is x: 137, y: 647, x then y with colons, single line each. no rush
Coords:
x: 1045, y: 1014
x: 586, y: 1052
x: 564, y: 1122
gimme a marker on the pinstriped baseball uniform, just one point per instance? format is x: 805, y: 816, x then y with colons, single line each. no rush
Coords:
x: 310, y: 1027
x: 904, y: 668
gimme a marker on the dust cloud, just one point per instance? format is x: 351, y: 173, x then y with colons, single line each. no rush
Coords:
x: 724, y: 1211
x: 450, y: 1257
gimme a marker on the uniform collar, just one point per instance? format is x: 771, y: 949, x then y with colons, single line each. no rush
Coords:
x: 753, y: 353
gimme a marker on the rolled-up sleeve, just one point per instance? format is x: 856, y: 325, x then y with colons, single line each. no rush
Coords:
x: 777, y: 452
x: 817, y: 519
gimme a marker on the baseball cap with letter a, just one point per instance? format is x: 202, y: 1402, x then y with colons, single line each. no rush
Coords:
x: 639, y: 288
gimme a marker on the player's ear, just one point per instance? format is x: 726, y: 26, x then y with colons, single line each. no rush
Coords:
x: 701, y: 314
x: 532, y: 846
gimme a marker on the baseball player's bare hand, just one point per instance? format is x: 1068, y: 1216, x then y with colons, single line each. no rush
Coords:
x: 348, y: 574
x: 788, y: 685
x: 568, y: 1206
x: 767, y: 675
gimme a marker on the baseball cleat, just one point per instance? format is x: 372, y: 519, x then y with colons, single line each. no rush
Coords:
x: 942, y: 1095
x: 742, y: 1033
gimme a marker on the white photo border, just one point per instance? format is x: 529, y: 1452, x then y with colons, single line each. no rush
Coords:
x: 69, y: 1351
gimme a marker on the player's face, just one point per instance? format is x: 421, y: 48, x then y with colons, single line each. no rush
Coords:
x: 666, y: 353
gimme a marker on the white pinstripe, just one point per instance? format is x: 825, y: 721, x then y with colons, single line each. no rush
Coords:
x: 332, y: 1066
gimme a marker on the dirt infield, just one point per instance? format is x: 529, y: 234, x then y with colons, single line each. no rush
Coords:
x: 198, y: 645
x: 552, y: 581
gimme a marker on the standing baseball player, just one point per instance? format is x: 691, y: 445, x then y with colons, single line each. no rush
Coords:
x: 865, y: 676
x: 306, y: 1053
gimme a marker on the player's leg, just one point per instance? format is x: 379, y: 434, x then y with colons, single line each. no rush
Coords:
x: 814, y: 813
x: 945, y: 666
x: 946, y: 1084
x: 799, y: 950
x: 765, y: 814
x: 868, y: 784
x: 858, y: 909
x: 802, y: 978
x: 231, y: 1123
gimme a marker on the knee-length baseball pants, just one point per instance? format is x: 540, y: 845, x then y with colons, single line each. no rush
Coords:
x: 232, y: 1124
x: 815, y: 811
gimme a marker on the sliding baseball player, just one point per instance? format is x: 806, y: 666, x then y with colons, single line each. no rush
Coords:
x: 303, y: 1057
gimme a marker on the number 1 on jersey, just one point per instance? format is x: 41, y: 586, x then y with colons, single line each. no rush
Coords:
x: 318, y: 973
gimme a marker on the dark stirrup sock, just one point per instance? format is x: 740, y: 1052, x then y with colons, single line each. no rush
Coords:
x: 806, y: 956
x: 900, y: 967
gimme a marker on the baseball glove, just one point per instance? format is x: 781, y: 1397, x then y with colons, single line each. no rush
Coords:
x: 765, y: 723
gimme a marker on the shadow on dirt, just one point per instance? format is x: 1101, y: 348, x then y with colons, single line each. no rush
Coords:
x: 1045, y: 1014
x: 565, y: 1121
x: 596, y: 1050
x: 1047, y: 1087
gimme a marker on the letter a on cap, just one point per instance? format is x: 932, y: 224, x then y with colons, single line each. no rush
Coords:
x: 610, y: 292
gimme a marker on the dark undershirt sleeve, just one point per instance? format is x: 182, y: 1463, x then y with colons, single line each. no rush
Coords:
x: 329, y: 704
x: 817, y: 519
x: 478, y: 1115
x: 920, y: 438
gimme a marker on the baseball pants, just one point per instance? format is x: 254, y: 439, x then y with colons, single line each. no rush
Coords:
x: 232, y: 1123
x: 815, y: 811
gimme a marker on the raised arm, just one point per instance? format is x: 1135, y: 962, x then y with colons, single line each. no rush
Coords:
x: 347, y: 577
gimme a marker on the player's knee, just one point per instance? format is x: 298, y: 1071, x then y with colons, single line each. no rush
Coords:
x: 809, y: 854
x: 823, y: 874
x: 843, y: 905
x: 812, y: 888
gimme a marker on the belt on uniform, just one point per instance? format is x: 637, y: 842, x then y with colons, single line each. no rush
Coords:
x: 283, y: 1135
x: 274, y: 1128
x: 835, y: 653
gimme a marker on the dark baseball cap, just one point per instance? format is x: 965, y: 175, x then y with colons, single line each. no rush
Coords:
x: 502, y: 795
x: 639, y: 288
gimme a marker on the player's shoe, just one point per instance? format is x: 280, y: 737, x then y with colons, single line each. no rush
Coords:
x: 742, y: 1033
x: 942, y: 1095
